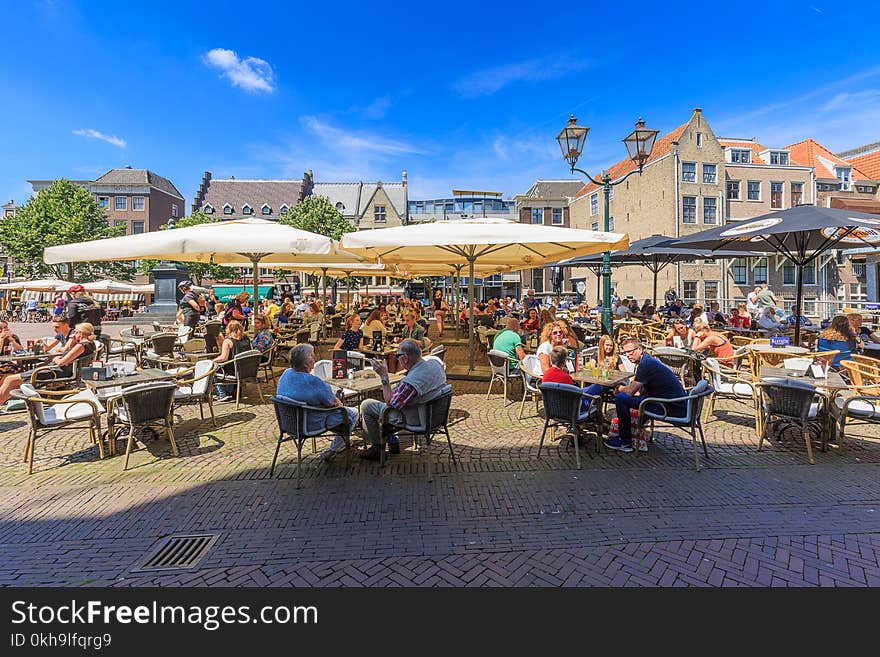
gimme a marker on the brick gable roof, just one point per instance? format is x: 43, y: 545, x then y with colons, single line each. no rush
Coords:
x: 128, y: 176
x: 869, y: 163
x: 254, y: 193
x: 811, y: 153
x: 662, y: 146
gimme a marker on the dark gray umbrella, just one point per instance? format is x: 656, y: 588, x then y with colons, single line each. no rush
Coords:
x: 654, y: 253
x: 801, y: 234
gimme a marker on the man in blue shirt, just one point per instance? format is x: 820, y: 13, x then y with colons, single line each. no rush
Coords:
x: 299, y: 385
x: 653, y: 379
x: 531, y: 302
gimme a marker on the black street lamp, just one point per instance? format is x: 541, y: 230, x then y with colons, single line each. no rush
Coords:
x: 639, y: 144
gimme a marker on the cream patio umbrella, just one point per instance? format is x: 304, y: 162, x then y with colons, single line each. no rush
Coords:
x: 484, y: 240
x: 38, y: 285
x: 337, y: 269
x: 249, y: 242
x: 108, y: 286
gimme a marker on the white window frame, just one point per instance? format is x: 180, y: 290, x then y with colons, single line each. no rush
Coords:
x: 553, y: 212
x: 699, y: 140
x: 779, y: 156
x: 226, y: 207
x: 844, y: 178
x: 124, y: 200
x: 595, y: 226
x: 140, y: 221
x: 761, y: 263
x: 792, y: 269
x: 744, y: 263
x: 714, y: 200
x: 791, y: 188
x: 694, y: 172
x: 741, y: 153
x: 738, y: 196
x: 748, y: 191
x: 208, y: 209
x: 610, y: 224
x: 246, y: 209
x: 685, y: 285
x: 284, y: 208
x: 106, y: 202
x: 380, y: 214
x: 594, y: 204
x: 714, y: 173
x: 536, y: 213
x: 782, y: 193
x: 683, y: 220
x: 134, y: 207
x: 264, y: 208
x: 174, y: 211
x: 706, y: 296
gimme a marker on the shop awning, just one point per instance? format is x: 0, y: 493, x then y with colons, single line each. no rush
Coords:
x: 229, y: 292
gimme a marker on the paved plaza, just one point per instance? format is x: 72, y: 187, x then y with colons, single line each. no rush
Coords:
x: 504, y: 517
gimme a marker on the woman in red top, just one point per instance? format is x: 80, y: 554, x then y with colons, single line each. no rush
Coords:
x: 531, y: 324
x: 741, y: 317
x: 705, y: 339
x: 558, y: 373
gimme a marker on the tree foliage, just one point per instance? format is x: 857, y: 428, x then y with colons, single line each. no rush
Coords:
x: 317, y: 215
x: 198, y: 270
x: 63, y: 213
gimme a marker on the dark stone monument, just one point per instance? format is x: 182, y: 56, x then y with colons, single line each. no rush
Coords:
x: 166, y: 276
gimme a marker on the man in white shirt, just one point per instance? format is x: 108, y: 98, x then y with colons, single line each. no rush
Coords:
x: 752, y: 301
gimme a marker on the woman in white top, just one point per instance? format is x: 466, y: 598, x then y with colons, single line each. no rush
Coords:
x: 554, y: 334
x: 679, y: 335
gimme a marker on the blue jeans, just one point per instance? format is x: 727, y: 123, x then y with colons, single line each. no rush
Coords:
x: 626, y: 402
x: 595, y: 390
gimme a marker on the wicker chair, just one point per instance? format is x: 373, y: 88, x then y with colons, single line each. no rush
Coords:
x: 213, y: 330
x: 499, y: 364
x: 439, y: 351
x: 678, y: 360
x: 731, y: 384
x: 159, y: 349
x: 143, y: 406
x: 433, y: 416
x: 563, y: 406
x: 44, y: 377
x: 530, y: 370
x: 690, y: 420
x: 793, y: 400
x: 246, y: 368
x: 47, y: 412
x: 195, y: 386
x: 292, y: 417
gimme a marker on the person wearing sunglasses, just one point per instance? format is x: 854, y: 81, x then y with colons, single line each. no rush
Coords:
x: 423, y: 380
x: 652, y: 379
x: 554, y: 334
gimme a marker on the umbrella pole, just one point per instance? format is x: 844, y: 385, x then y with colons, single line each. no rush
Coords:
x: 324, y: 288
x: 256, y: 264
x: 348, y: 286
x: 654, y: 298
x: 799, y: 300
x: 457, y: 280
x: 471, y: 313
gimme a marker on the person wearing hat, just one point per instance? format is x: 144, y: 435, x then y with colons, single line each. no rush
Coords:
x: 84, y: 309
x: 189, y: 307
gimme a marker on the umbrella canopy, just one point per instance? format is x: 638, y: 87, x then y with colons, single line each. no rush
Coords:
x: 107, y: 286
x: 248, y: 242
x: 652, y: 252
x: 487, y: 240
x: 801, y: 234
x: 39, y: 285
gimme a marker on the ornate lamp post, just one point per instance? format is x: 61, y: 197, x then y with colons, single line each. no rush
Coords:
x: 639, y: 144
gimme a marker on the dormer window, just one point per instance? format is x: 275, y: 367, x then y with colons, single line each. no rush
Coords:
x: 227, y: 209
x: 740, y: 155
x: 208, y: 209
x: 340, y: 206
x: 247, y: 209
x: 779, y: 157
x: 284, y: 208
x: 844, y: 178
x: 266, y: 209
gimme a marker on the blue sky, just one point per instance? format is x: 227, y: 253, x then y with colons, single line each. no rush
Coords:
x: 467, y: 95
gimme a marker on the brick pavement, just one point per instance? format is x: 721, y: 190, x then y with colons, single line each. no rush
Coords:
x: 502, y: 518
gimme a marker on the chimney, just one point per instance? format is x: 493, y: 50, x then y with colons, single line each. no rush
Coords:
x: 203, y: 189
x: 698, y: 110
x: 128, y: 166
x: 403, y: 177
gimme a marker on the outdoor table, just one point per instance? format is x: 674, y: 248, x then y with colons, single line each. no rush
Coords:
x: 107, y: 389
x: 872, y: 349
x: 364, y: 384
x: 21, y: 358
x: 790, y: 350
x: 615, y: 377
x: 830, y: 383
x: 388, y: 354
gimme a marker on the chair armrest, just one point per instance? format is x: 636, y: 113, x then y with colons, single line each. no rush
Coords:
x: 663, y: 402
x: 46, y: 401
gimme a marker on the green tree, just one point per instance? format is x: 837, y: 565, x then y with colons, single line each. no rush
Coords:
x: 63, y: 213
x: 199, y: 270
x: 316, y: 214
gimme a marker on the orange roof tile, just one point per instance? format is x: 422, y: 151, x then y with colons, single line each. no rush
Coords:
x: 869, y: 163
x: 810, y: 153
x: 661, y: 147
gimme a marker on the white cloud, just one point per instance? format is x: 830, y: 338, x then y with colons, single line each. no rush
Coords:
x: 94, y: 134
x: 487, y: 81
x: 851, y: 101
x: 377, y: 109
x: 342, y: 140
x: 251, y: 73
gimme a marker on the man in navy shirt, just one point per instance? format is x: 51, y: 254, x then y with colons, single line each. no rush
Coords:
x: 653, y: 379
x: 531, y: 302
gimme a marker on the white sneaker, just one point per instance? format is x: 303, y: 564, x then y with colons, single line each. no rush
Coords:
x: 643, y: 445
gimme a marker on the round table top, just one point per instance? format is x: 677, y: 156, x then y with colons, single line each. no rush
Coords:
x: 768, y: 349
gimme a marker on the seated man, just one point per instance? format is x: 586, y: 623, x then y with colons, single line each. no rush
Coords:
x: 423, y: 379
x: 297, y: 384
x: 61, y: 326
x: 653, y: 379
x: 509, y: 341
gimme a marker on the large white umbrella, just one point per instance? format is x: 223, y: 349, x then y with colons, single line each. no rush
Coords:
x: 240, y: 242
x: 487, y: 240
x: 108, y: 286
x: 39, y: 285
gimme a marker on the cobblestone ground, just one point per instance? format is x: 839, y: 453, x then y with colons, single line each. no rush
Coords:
x: 503, y: 517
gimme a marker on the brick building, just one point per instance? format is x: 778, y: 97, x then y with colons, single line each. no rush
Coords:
x: 241, y: 198
x: 137, y: 199
x: 368, y: 204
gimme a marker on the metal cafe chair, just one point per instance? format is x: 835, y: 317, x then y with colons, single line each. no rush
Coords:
x: 499, y: 365
x: 563, y: 406
x: 795, y: 401
x: 143, y: 406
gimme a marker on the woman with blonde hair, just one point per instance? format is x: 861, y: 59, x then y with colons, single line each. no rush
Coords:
x: 235, y: 342
x: 352, y: 338
x: 607, y: 356
x: 554, y: 334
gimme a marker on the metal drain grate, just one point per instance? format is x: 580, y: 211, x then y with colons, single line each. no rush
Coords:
x: 179, y: 552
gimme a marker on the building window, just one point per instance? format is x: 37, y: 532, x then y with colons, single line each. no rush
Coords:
x: 689, y: 291
x: 710, y: 210
x: 174, y: 209
x: 537, y: 215
x: 797, y: 193
x: 610, y: 223
x: 779, y: 157
x: 137, y: 203
x: 284, y: 208
x: 753, y: 188
x: 611, y: 194
x: 595, y: 226
x: 760, y: 271
x: 247, y: 209
x: 121, y: 203
x: 776, y: 195
x: 810, y: 274
x: 711, y: 291
x: 556, y: 217
x: 699, y: 139
x: 594, y: 204
x: 103, y: 201
x: 709, y: 261
x: 688, y: 209
x: 710, y: 173
x: 266, y: 210
x: 843, y: 178
x: 740, y: 156
x: 789, y: 274
x: 379, y: 215
x: 689, y: 171
x: 208, y: 209
x: 538, y: 280
x: 733, y: 190
x: 121, y: 222
x: 137, y: 227
x: 740, y: 271
x: 227, y: 209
